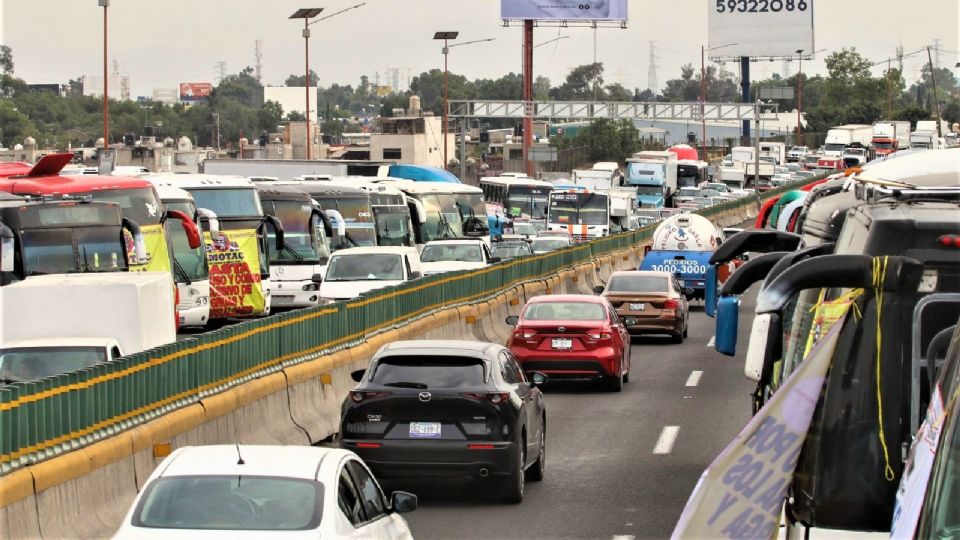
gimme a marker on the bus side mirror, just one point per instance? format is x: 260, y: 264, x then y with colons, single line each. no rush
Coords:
x: 139, y: 246
x: 6, y: 249
x: 337, y: 219
x: 710, y: 292
x: 272, y: 221
x: 213, y: 223
x: 189, y: 227
x: 728, y: 319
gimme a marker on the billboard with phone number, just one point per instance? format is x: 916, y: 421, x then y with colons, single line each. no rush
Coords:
x: 564, y: 10
x: 195, y: 91
x: 760, y: 28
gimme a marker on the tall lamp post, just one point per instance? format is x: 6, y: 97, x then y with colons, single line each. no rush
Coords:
x: 799, y: 96
x: 703, y: 93
x: 306, y: 14
x: 446, y: 37
x: 106, y: 104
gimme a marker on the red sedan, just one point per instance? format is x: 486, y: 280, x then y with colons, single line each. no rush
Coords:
x: 574, y: 337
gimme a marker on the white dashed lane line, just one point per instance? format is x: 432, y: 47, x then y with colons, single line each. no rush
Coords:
x: 667, y: 437
x: 713, y: 339
x: 694, y: 378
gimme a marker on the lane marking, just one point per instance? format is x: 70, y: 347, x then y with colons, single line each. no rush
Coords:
x: 712, y: 341
x: 623, y: 537
x: 694, y: 378
x: 667, y: 437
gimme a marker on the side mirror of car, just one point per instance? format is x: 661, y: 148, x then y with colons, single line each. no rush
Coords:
x: 599, y: 289
x: 416, y: 275
x: 513, y: 320
x: 495, y: 260
x: 630, y: 321
x: 745, y: 257
x: 357, y: 375
x: 537, y: 379
x: 402, y: 502
x: 317, y: 278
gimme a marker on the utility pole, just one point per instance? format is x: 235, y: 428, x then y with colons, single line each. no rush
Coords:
x: 756, y: 152
x: 258, y: 57
x: 936, y: 101
x: 889, y: 93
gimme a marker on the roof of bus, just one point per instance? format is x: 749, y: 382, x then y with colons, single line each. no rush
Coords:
x: 365, y: 183
x: 322, y: 187
x: 168, y: 192
x: 281, y: 192
x: 201, y: 181
x: 51, y: 185
x: 412, y: 186
x: 515, y: 181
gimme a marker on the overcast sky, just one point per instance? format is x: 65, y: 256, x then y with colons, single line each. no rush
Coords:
x: 162, y: 43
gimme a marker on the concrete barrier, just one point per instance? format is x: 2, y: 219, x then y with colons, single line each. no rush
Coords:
x: 86, y: 492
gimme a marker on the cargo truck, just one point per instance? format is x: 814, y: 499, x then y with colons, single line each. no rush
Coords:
x: 654, y: 175
x: 59, y: 323
x: 890, y: 136
x: 840, y: 137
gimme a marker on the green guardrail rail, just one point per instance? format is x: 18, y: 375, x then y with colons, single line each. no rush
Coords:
x: 44, y: 418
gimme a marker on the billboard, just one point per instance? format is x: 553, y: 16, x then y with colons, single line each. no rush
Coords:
x: 195, y: 91
x: 760, y: 28
x: 564, y: 10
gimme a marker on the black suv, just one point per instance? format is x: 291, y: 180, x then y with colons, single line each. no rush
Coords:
x: 448, y: 409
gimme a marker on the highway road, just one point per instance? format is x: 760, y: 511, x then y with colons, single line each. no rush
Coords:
x: 621, y: 465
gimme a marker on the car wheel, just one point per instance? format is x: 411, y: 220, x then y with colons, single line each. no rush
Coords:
x: 615, y: 384
x: 536, y: 471
x: 678, y: 337
x: 686, y: 328
x: 512, y: 491
x: 626, y: 377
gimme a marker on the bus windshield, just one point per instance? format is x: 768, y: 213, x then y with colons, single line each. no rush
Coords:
x: 141, y: 204
x: 392, y: 225
x: 529, y: 201
x: 299, y: 233
x: 358, y: 220
x: 229, y: 202
x: 579, y: 209
x: 51, y: 251
x: 453, y: 215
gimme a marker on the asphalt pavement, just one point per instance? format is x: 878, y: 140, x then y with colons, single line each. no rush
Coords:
x: 619, y: 465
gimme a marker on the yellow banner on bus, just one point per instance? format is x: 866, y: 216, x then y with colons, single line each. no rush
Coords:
x: 155, y: 242
x: 235, y: 287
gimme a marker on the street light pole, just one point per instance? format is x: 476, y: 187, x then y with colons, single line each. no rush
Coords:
x: 106, y: 104
x: 799, y: 96
x: 703, y: 100
x: 446, y: 37
x: 306, y: 14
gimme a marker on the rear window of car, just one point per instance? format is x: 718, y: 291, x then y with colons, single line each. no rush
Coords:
x: 632, y: 284
x: 564, y: 311
x: 429, y: 372
x: 251, y: 503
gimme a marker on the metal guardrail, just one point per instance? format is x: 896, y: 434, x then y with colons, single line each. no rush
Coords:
x: 44, y: 418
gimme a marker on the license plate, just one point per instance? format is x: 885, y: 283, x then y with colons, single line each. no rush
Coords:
x: 637, y: 307
x: 424, y: 430
x: 281, y: 299
x: 563, y: 343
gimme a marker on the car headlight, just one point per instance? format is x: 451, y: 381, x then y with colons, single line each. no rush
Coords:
x: 202, y: 301
x: 311, y: 287
x: 327, y: 301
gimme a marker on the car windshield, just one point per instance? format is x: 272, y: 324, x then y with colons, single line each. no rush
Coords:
x: 366, y: 267
x: 141, y: 204
x: 633, y: 284
x: 542, y: 245
x: 429, y: 371
x: 510, y: 251
x: 451, y: 252
x: 32, y: 363
x: 524, y: 229
x: 229, y: 202
x: 564, y: 311
x: 244, y: 503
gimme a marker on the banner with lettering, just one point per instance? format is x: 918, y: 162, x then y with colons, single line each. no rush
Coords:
x: 235, y: 287
x: 741, y: 493
x: 155, y: 242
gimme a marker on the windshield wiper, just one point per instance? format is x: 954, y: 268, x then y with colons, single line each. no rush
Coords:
x: 404, y: 384
x: 181, y: 273
x: 346, y: 234
x: 293, y: 252
x: 445, y: 230
x: 84, y: 265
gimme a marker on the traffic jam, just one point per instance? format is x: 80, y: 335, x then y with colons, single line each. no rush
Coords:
x: 819, y: 340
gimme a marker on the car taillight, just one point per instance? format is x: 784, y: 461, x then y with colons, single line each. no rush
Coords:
x: 368, y: 445
x: 524, y: 334
x: 358, y: 395
x: 671, y: 304
x: 493, y: 397
x: 597, y: 335
x: 949, y: 240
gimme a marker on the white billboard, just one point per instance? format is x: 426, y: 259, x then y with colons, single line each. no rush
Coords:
x: 564, y: 10
x: 760, y: 28
x: 292, y: 99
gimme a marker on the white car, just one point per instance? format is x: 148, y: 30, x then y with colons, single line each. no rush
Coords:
x: 797, y: 153
x: 439, y: 256
x: 355, y: 271
x: 240, y: 492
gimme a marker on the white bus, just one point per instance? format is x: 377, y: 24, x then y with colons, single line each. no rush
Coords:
x: 516, y: 198
x: 444, y: 210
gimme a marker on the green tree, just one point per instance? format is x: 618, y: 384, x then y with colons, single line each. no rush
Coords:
x: 301, y: 80
x: 583, y: 82
x: 6, y: 60
x: 605, y: 140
